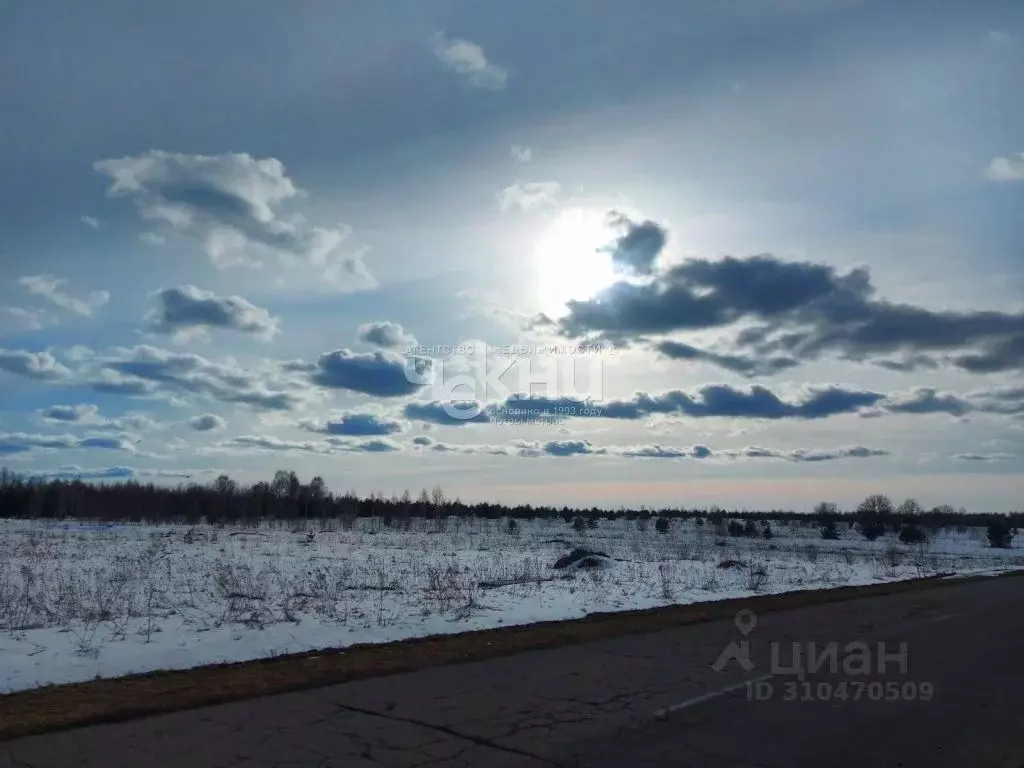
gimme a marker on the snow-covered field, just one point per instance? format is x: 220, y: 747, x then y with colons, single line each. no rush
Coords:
x: 79, y: 601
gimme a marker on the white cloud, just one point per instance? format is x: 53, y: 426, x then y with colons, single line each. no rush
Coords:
x: 1010, y: 168
x: 231, y: 204
x: 529, y: 194
x: 33, y: 319
x: 468, y: 59
x: 152, y: 238
x: 90, y: 222
x: 521, y: 154
x: 49, y: 287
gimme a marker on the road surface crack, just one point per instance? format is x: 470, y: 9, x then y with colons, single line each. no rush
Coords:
x: 487, y: 743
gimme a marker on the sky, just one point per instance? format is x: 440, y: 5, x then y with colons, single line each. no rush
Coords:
x: 756, y: 253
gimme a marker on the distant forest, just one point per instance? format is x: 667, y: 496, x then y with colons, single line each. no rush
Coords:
x: 286, y: 497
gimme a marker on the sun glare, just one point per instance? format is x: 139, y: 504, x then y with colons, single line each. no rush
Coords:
x: 568, y: 262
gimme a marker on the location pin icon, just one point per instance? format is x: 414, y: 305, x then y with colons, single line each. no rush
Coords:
x: 745, y: 621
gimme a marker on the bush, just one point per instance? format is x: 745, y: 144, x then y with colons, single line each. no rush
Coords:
x: 829, y: 530
x: 736, y: 528
x: 873, y: 513
x: 579, y: 524
x: 661, y: 525
x: 1000, y: 533
x: 872, y: 529
x: 767, y: 533
x: 911, y: 534
x: 750, y: 529
x: 513, y: 526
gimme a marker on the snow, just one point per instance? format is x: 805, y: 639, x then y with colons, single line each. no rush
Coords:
x: 80, y: 601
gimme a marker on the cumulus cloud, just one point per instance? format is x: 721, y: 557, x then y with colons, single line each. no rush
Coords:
x: 452, y: 414
x: 355, y: 424
x: 90, y: 222
x: 468, y: 59
x: 1009, y: 168
x: 385, y: 334
x: 380, y: 373
x: 639, y: 245
x: 187, y: 311
x: 521, y: 154
x: 83, y: 413
x: 87, y: 414
x: 49, y: 287
x: 468, y: 450
x: 525, y: 195
x: 793, y: 311
x: 208, y: 422
x: 20, y: 442
x: 33, y: 365
x: 230, y: 203
x: 32, y: 319
x: 149, y: 371
x: 709, y: 401
x: 375, y: 445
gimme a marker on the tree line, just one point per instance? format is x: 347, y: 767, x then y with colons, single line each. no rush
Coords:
x: 286, y: 497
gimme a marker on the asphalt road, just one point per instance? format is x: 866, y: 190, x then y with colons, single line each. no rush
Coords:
x: 641, y: 700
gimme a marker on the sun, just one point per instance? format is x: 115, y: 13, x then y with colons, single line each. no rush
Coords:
x: 568, y: 259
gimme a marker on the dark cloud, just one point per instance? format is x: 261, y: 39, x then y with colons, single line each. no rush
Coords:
x: 639, y: 245
x: 805, y: 311
x: 20, y: 442
x: 81, y: 413
x: 928, y: 400
x: 569, y: 448
x: 208, y: 422
x: 380, y: 373
x: 385, y: 334
x: 32, y: 365
x: 712, y: 400
x: 1001, y: 400
x: 357, y: 425
x: 1004, y: 355
x: 983, y: 457
x: 747, y: 366
x: 437, y: 412
x: 188, y: 310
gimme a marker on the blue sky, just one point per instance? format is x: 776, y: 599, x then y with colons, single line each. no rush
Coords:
x: 240, y: 236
